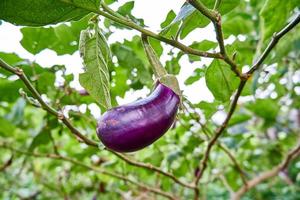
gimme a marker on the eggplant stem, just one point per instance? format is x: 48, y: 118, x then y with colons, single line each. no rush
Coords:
x: 158, y: 70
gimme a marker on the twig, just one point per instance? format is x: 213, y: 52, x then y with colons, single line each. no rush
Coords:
x: 152, y: 168
x: 268, y: 174
x: 7, y: 163
x: 131, y: 24
x: 276, y: 37
x: 102, y: 171
x: 208, y: 132
x: 236, y: 164
x: 226, y: 184
x: 220, y: 130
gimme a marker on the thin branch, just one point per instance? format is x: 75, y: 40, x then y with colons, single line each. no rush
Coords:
x: 102, y: 171
x: 268, y: 174
x: 7, y: 163
x: 235, y: 162
x: 152, y: 168
x: 226, y: 184
x: 128, y: 23
x: 275, y: 39
x: 77, y: 133
x: 218, y: 133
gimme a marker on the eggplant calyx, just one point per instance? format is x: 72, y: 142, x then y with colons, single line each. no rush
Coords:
x: 171, y: 82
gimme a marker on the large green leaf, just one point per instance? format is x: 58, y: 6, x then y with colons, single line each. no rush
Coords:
x: 63, y: 38
x: 220, y: 80
x: 96, y: 56
x: 40, y: 12
x: 274, y: 15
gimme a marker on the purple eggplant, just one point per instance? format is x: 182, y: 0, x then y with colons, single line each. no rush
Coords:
x: 136, y: 125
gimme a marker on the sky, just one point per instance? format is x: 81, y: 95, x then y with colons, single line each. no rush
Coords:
x: 10, y: 36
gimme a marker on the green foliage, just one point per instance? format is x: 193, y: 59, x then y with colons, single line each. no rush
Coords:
x: 44, y: 12
x: 263, y: 128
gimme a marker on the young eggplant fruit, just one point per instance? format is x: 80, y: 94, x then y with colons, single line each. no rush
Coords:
x: 136, y: 125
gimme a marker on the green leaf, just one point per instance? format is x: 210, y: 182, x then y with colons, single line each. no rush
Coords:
x: 170, y: 17
x: 126, y: 8
x: 220, y: 80
x: 274, y: 16
x: 7, y: 128
x: 237, y: 24
x: 96, y: 56
x: 42, y: 138
x: 191, y: 22
x: 63, y: 39
x: 194, y: 19
x: 9, y: 90
x: 239, y: 118
x: 204, y: 45
x: 40, y: 12
x: 16, y: 115
x: 173, y: 66
x: 265, y: 108
x: 131, y: 56
x: 10, y: 58
x: 197, y: 74
x: 207, y: 108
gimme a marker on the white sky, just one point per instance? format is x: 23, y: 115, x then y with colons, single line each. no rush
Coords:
x: 10, y: 36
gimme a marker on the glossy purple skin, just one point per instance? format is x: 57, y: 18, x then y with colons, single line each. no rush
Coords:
x: 134, y: 126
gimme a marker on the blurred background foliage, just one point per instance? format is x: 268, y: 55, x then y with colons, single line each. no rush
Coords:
x: 264, y: 127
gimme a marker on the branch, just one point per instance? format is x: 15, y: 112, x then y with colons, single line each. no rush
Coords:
x: 102, y: 171
x: 215, y: 17
x: 7, y: 163
x: 226, y: 184
x: 236, y: 164
x: 275, y: 39
x: 152, y: 168
x: 76, y: 132
x: 219, y: 131
x: 128, y: 23
x: 268, y: 174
